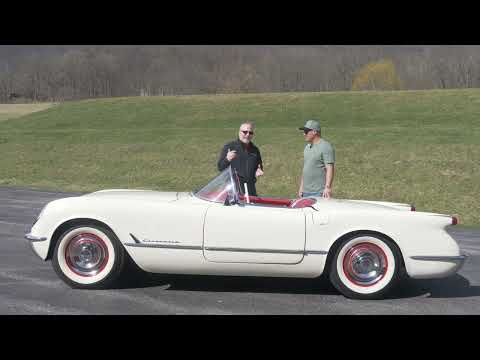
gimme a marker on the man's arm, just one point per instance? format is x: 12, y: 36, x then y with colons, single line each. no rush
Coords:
x: 260, y: 161
x: 259, y: 171
x: 223, y: 163
x: 300, y: 188
x: 329, y: 158
x: 330, y: 168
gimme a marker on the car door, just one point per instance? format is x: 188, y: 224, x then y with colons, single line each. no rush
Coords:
x: 246, y: 233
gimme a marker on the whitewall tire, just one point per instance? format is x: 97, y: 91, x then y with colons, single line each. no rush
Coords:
x: 88, y: 257
x: 365, y: 266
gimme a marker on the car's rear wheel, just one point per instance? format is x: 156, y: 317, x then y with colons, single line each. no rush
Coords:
x: 365, y: 266
x: 88, y: 257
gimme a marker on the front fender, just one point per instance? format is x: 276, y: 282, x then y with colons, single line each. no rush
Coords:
x: 54, y: 215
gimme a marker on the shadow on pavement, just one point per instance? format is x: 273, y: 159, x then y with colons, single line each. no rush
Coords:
x: 455, y: 286
x: 229, y: 284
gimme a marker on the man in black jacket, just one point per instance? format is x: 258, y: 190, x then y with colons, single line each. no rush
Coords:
x: 244, y: 157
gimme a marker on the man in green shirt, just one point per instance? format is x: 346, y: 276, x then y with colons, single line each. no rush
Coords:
x: 318, y: 163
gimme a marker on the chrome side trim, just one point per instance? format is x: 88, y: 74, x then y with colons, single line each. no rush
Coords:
x: 146, y: 241
x: 316, y: 252
x: 33, y: 238
x: 271, y: 251
x: 440, y: 258
x: 135, y: 239
x: 255, y: 250
x: 182, y: 247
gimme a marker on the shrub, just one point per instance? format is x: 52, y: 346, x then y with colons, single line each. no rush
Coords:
x: 380, y: 75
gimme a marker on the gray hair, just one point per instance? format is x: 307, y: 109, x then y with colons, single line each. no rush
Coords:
x: 247, y: 123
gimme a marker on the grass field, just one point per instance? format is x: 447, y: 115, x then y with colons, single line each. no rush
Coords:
x: 419, y: 147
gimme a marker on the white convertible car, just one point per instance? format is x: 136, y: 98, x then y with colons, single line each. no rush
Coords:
x: 364, y: 247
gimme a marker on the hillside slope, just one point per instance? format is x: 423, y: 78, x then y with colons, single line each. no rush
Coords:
x: 418, y: 147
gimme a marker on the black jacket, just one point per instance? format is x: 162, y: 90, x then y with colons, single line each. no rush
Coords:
x: 246, y: 163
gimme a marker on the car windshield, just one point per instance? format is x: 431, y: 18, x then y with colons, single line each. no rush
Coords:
x: 221, y: 188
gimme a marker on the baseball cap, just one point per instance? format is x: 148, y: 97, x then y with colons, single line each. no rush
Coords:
x: 311, y: 125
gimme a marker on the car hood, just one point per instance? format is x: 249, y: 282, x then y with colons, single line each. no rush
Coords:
x: 127, y: 194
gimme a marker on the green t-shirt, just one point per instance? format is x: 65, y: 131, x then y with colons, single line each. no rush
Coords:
x: 315, y: 157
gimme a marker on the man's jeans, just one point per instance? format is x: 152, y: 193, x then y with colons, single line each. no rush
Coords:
x: 309, y: 194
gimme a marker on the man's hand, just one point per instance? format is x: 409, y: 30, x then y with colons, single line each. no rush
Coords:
x: 327, y: 192
x: 232, y: 154
x: 259, y: 171
x: 300, y: 193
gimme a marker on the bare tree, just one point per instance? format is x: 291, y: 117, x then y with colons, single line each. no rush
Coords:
x: 81, y: 71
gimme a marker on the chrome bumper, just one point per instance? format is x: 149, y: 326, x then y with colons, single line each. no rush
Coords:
x: 459, y: 260
x: 33, y: 238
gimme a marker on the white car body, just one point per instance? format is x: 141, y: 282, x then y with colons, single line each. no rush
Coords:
x: 182, y: 233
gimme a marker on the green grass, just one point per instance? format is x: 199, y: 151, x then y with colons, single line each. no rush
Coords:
x: 419, y: 147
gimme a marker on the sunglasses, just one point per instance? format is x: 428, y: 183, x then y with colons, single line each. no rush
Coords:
x: 306, y: 131
x: 245, y: 132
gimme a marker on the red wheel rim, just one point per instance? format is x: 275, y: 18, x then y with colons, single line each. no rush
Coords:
x: 365, y: 264
x: 86, y: 254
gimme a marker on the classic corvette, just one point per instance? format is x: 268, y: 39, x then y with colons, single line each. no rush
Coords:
x: 363, y: 247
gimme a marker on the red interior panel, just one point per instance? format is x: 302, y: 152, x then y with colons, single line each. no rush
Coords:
x: 303, y: 202
x: 295, y: 203
x: 267, y: 200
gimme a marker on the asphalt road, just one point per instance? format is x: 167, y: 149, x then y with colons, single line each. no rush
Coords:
x: 29, y: 285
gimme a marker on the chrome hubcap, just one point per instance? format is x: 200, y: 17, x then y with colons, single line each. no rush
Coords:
x: 86, y: 254
x: 365, y: 264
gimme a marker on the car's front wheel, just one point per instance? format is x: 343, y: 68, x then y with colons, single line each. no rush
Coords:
x: 365, y: 266
x: 88, y: 257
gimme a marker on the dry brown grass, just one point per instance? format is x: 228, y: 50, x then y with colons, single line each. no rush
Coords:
x: 11, y: 111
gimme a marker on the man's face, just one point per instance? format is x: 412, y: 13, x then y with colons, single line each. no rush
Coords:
x: 245, y: 134
x: 309, y: 135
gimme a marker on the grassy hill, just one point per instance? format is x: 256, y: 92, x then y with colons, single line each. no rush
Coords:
x: 419, y: 147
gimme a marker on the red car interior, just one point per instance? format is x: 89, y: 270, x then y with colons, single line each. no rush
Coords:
x: 295, y: 203
x: 302, y: 202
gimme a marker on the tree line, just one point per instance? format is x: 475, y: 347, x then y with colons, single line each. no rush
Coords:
x: 59, y: 73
